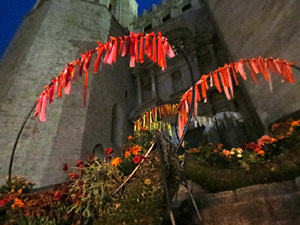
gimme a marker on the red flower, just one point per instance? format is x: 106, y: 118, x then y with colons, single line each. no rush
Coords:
x: 73, y: 175
x: 79, y: 163
x: 65, y: 167
x: 253, y: 146
x: 136, y: 159
x: 57, y: 195
x: 91, y: 158
x: 108, y: 151
x: 3, y: 201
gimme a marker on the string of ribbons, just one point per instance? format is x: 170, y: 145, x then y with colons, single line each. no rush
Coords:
x: 155, y: 47
x: 225, y: 77
x: 151, y: 120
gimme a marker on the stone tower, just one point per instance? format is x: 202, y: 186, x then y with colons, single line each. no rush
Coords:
x: 54, y: 33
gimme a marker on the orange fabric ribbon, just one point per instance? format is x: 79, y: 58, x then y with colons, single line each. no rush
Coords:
x: 255, y: 65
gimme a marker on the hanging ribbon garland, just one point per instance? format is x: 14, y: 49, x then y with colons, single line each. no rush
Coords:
x: 151, y: 120
x: 223, y: 79
x: 155, y: 47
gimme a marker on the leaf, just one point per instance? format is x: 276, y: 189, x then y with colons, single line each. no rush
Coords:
x: 244, y: 165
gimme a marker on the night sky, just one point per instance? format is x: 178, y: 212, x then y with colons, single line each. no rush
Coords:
x: 13, y: 11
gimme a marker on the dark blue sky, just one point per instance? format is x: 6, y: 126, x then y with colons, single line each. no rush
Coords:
x: 13, y: 11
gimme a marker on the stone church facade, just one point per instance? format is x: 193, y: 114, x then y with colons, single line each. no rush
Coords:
x: 55, y: 32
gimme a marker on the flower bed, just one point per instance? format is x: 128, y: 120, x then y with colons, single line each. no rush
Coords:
x: 269, y: 159
x: 90, y: 196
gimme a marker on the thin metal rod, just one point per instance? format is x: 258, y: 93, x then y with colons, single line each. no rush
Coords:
x: 164, y: 175
x: 193, y: 200
x: 17, y: 141
x: 193, y: 92
x: 133, y: 172
x: 296, y: 67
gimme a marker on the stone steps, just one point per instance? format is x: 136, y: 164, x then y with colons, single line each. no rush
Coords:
x: 248, y: 193
x: 262, y: 204
x: 281, y: 209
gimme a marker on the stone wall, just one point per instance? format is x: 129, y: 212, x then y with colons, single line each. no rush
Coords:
x: 110, y: 88
x: 262, y: 28
x: 53, y: 34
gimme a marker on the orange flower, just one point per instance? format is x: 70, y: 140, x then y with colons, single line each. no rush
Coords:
x: 116, y: 161
x: 261, y: 152
x: 17, y: 203
x: 266, y: 139
x: 127, y: 153
x: 226, y: 153
x: 135, y: 149
x: 295, y: 123
x: 130, y: 137
x: 194, y: 150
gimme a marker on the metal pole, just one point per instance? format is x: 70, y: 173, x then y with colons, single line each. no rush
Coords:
x: 17, y: 141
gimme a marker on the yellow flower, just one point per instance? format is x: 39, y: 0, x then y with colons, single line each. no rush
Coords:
x: 20, y: 191
x: 116, y: 161
x: 181, y: 157
x: 237, y: 152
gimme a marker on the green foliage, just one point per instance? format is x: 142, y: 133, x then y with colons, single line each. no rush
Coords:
x: 142, y: 138
x: 141, y: 202
x: 94, y: 188
x: 281, y: 161
x: 127, y: 165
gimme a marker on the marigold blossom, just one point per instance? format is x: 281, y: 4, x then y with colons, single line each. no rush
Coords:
x: 261, y: 152
x: 194, y: 150
x: 265, y: 140
x: 127, y: 154
x: 18, y: 203
x: 226, y: 153
x: 295, y: 123
x: 135, y: 149
x: 116, y: 161
x: 130, y: 137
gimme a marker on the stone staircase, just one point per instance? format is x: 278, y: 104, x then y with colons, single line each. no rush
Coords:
x: 262, y: 204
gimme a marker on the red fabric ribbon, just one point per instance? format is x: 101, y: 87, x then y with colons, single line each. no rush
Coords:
x: 97, y: 62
